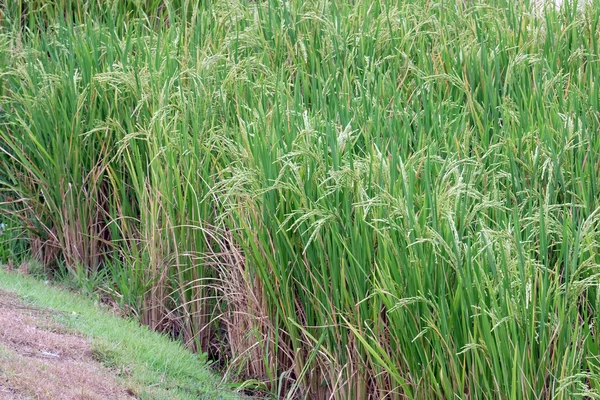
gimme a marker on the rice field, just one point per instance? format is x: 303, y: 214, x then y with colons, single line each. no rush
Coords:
x: 334, y: 200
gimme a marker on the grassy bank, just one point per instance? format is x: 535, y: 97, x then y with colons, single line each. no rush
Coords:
x: 366, y: 199
x: 151, y: 364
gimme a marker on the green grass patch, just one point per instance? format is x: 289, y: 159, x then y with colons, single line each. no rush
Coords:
x: 152, y: 364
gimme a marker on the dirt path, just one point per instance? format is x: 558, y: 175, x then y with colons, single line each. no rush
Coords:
x: 39, y: 359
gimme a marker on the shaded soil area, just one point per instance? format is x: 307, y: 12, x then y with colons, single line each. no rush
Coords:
x: 39, y: 359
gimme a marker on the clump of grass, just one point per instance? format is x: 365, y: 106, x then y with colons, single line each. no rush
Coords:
x: 361, y: 200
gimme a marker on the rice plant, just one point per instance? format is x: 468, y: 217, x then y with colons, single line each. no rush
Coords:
x: 370, y: 199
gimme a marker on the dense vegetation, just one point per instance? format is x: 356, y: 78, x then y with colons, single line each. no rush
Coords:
x: 372, y: 198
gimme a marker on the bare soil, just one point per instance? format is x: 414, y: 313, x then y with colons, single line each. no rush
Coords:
x: 39, y: 359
